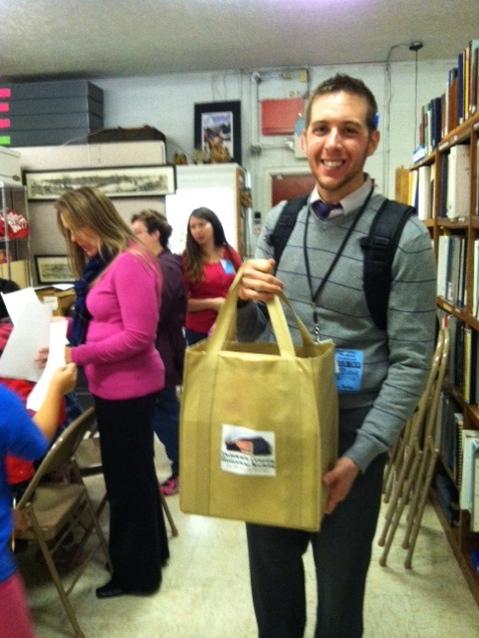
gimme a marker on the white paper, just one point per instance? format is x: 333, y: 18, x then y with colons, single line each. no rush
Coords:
x: 56, y: 359
x: 15, y: 302
x: 61, y: 287
x: 30, y: 333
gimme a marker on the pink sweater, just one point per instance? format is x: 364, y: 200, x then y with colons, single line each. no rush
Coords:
x: 119, y: 356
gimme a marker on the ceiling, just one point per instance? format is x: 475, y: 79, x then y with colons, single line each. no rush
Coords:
x: 42, y: 39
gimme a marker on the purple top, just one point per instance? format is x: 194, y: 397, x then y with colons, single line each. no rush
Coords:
x: 119, y: 356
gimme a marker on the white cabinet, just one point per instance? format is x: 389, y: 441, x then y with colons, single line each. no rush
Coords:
x: 224, y: 189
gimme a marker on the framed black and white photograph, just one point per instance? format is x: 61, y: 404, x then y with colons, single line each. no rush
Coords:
x: 53, y: 269
x: 130, y: 181
x: 218, y: 127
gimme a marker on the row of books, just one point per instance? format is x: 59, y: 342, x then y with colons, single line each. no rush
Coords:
x: 455, y: 191
x: 463, y: 362
x: 422, y: 191
x: 458, y: 101
x: 451, y: 269
x: 469, y: 492
x: 459, y: 449
x: 456, y: 183
x: 448, y: 423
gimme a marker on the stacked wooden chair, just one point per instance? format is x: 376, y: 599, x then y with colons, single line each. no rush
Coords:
x: 412, y: 461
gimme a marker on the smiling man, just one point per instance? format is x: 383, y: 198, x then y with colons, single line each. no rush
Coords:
x: 321, y: 272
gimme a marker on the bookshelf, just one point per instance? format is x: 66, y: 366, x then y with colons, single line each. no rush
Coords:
x: 443, y: 183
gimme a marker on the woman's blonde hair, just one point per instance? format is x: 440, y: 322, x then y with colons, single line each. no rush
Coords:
x: 90, y: 208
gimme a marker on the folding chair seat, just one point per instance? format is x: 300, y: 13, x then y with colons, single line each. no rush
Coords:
x: 54, y: 510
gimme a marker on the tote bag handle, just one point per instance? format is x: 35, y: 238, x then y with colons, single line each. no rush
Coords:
x: 225, y: 327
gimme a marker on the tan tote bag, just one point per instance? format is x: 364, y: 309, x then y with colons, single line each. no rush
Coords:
x: 258, y: 424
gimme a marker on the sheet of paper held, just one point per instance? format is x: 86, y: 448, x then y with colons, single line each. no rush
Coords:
x: 15, y: 302
x: 30, y: 333
x: 56, y: 359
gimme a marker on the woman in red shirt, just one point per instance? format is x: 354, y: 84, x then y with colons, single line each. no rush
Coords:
x: 210, y: 265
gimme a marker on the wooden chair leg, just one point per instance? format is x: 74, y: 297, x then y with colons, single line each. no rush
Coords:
x: 397, y: 492
x: 412, y: 538
x: 398, y: 509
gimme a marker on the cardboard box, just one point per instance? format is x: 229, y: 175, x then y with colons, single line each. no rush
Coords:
x: 55, y: 121
x: 65, y: 299
x: 52, y: 113
x: 119, y: 134
x: 82, y: 104
x: 17, y: 271
x: 54, y: 89
x: 49, y: 137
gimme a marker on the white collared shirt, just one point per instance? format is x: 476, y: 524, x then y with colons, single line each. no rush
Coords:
x: 349, y: 203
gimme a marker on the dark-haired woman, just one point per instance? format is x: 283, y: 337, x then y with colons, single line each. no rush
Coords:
x: 210, y: 265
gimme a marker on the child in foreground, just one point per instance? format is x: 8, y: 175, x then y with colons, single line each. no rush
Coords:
x: 26, y: 437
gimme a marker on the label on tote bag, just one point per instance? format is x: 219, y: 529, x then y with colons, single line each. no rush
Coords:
x: 247, y: 452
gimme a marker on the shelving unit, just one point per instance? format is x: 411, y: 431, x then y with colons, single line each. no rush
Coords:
x: 457, y: 304
x: 15, y: 261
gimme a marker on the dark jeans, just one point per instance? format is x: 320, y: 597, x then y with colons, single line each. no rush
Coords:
x: 342, y: 553
x: 138, y: 540
x: 166, y: 423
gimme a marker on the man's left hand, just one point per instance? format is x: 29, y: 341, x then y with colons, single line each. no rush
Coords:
x: 339, y: 480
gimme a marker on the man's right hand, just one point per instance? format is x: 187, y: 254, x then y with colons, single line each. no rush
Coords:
x: 258, y: 282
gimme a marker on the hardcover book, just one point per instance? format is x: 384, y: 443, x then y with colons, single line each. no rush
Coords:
x: 458, y: 203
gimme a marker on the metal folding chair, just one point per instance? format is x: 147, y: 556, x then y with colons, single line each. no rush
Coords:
x: 55, y: 510
x: 89, y: 461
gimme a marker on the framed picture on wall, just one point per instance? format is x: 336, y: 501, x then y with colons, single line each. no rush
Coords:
x: 53, y: 269
x: 218, y: 124
x: 118, y: 181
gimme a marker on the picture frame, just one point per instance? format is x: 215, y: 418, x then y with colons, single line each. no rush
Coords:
x: 219, y: 123
x: 117, y: 181
x: 53, y: 269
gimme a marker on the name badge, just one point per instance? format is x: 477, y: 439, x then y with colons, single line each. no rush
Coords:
x: 228, y: 266
x: 349, y: 366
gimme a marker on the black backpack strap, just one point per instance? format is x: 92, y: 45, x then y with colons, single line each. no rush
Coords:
x: 284, y: 226
x: 379, y: 250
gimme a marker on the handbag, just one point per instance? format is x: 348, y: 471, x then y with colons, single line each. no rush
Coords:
x: 258, y: 423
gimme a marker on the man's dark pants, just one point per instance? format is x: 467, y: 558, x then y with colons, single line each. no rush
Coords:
x: 342, y: 553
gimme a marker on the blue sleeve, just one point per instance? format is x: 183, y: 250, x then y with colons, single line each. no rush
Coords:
x: 19, y: 435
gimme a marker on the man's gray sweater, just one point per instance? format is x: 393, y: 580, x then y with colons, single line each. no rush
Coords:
x: 396, y: 361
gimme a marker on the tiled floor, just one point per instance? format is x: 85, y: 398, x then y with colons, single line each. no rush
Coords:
x: 205, y: 591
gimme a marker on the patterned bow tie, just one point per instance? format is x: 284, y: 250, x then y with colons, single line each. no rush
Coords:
x: 322, y: 210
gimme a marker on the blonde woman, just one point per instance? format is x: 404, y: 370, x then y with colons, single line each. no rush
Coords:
x: 118, y: 292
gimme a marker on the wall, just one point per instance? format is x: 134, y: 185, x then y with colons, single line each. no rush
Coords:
x: 45, y: 236
x: 167, y: 103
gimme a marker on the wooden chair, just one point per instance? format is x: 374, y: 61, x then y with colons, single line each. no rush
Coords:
x: 54, y: 510
x: 411, y: 467
x: 90, y: 464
